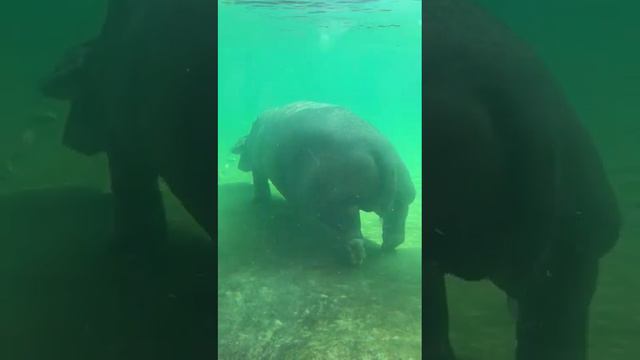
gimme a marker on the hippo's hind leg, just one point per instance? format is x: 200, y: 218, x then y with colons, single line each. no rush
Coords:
x: 138, y: 271
x: 349, y: 242
x: 553, y: 311
x: 139, y: 216
x: 436, y: 317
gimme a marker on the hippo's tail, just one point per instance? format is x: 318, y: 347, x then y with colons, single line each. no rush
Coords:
x: 240, y: 148
x: 244, y: 147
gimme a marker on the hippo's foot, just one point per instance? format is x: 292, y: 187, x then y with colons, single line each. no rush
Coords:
x: 356, y: 251
x: 370, y: 246
x: 386, y: 247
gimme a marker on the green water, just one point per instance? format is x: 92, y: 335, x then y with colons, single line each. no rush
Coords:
x: 280, y: 296
x: 367, y: 61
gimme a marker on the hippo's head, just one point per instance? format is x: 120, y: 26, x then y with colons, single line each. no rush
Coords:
x: 240, y: 148
x: 393, y: 225
x: 394, y: 216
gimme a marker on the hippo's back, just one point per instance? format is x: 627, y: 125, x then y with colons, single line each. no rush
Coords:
x: 506, y: 153
x: 315, y: 126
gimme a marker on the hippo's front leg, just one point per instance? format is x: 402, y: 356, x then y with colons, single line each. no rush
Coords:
x: 553, y: 312
x: 262, y: 192
x: 139, y: 218
x: 393, y: 225
x: 349, y: 242
x: 436, y: 316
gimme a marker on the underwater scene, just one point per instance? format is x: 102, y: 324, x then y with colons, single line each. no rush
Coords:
x: 318, y: 88
x: 108, y: 247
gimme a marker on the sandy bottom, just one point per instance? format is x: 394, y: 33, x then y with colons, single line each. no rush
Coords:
x: 281, y: 294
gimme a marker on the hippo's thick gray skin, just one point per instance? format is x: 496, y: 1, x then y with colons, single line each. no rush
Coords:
x: 143, y: 92
x: 329, y: 163
x: 515, y: 189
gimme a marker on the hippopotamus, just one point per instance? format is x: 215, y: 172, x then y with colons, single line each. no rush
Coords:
x: 515, y: 190
x: 330, y: 164
x: 142, y: 91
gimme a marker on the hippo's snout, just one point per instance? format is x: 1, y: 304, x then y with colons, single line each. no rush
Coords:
x: 356, y: 251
